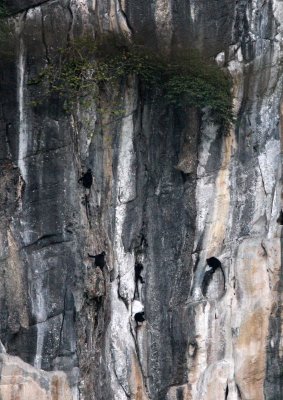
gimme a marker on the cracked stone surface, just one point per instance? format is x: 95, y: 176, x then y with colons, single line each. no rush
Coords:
x: 170, y: 190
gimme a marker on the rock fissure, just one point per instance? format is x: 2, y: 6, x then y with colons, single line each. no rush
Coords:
x: 144, y: 378
x: 43, y: 38
x: 42, y: 152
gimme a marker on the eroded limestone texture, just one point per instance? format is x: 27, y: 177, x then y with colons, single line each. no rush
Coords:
x: 170, y: 190
x: 21, y: 381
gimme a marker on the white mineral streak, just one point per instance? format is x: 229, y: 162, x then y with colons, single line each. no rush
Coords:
x: 39, y: 311
x: 213, y: 205
x: 126, y: 378
x: 21, y: 88
x: 204, y: 190
x: 220, y: 59
x: 163, y: 21
x: 137, y: 306
x: 81, y: 8
x: 38, y: 296
x: 2, y: 348
x: 236, y: 70
x: 23, y: 131
x: 232, y: 334
x: 193, y: 10
x: 118, y: 21
x: 87, y: 131
x: 217, y: 223
x: 268, y: 164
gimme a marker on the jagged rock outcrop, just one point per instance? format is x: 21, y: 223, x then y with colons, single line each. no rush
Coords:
x: 170, y: 190
x: 21, y: 381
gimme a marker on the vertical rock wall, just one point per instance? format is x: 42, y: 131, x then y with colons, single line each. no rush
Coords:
x: 170, y: 190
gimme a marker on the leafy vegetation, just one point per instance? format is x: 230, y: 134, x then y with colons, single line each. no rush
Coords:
x: 86, y: 67
x: 7, y: 41
x: 3, y: 9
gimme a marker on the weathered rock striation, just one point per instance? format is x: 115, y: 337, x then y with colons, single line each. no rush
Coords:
x: 170, y: 190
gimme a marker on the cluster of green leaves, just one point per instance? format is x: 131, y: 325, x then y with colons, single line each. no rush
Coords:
x: 200, y: 83
x: 3, y: 9
x: 7, y: 42
x: 72, y: 75
x: 85, y: 67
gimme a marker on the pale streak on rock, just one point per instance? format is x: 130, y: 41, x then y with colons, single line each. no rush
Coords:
x: 204, y: 189
x: 235, y: 68
x: 202, y: 311
x: 220, y: 59
x: 215, y: 381
x: 15, y: 289
x: 120, y: 346
x: 252, y: 312
x: 173, y: 393
x: 232, y: 333
x: 163, y: 20
x: 83, y: 7
x: 23, y: 128
x: 213, y: 204
x: 218, y: 224
x: 257, y: 273
x: 118, y: 22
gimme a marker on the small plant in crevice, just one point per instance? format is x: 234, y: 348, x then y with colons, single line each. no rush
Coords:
x: 87, y: 67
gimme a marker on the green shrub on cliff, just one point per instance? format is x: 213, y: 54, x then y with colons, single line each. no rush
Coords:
x: 3, y: 9
x: 7, y: 40
x: 86, y: 67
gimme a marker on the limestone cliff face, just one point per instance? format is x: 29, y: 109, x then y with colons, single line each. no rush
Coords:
x: 170, y: 190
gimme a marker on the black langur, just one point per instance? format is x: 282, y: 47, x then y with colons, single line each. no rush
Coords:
x: 280, y: 218
x: 138, y: 278
x: 139, y: 317
x: 214, y: 264
x: 206, y: 281
x: 86, y: 179
x: 138, y: 270
x: 99, y: 259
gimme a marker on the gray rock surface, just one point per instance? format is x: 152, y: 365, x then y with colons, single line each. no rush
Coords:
x: 170, y: 190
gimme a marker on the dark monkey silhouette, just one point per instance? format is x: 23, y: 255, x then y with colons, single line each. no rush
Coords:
x: 214, y: 264
x: 138, y: 277
x: 280, y: 218
x: 138, y: 270
x: 139, y: 317
x: 99, y: 259
x: 86, y: 179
